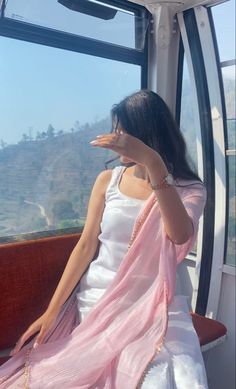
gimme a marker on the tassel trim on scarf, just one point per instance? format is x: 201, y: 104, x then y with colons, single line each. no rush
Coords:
x: 159, y: 346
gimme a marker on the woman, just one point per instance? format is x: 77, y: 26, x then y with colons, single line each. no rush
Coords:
x: 125, y: 324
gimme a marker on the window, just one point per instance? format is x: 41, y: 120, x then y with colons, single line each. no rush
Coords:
x: 125, y: 27
x: 228, y: 73
x: 187, y: 123
x: 54, y: 102
x: 225, y: 33
x: 231, y: 241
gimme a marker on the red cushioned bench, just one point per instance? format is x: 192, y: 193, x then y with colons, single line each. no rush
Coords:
x: 29, y: 274
x: 210, y: 332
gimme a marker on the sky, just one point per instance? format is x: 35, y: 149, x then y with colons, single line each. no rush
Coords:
x: 40, y: 85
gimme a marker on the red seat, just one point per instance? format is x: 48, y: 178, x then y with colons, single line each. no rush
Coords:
x: 29, y: 274
x: 210, y: 332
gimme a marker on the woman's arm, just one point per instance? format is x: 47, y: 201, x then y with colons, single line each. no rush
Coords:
x: 85, y: 249
x: 177, y: 222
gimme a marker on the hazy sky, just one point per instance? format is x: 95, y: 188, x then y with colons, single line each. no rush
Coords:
x: 41, y: 85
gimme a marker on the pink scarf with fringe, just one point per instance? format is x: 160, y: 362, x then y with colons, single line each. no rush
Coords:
x: 113, y: 346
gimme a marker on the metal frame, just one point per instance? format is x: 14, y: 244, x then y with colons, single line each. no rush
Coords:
x: 179, y: 6
x: 212, y: 116
x: 163, y: 53
x: 224, y: 64
x: 48, y: 37
x: 218, y: 117
x: 179, y: 82
x: 195, y: 59
x: 198, y: 257
x: 220, y: 65
x: 230, y: 152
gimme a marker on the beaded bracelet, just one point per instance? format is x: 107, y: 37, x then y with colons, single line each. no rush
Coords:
x: 167, y: 181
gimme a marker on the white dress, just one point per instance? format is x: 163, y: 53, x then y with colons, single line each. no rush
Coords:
x: 179, y: 365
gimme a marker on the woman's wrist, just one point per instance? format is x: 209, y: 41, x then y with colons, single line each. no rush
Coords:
x: 53, y: 309
x: 156, y: 166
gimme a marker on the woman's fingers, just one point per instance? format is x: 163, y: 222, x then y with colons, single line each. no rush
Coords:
x: 41, y: 325
x: 22, y: 340
x: 40, y: 338
x: 107, y: 140
x: 103, y: 144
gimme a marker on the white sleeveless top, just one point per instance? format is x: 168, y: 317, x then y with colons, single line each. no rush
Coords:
x: 117, y: 224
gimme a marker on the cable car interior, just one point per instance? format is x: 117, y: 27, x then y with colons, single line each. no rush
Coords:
x: 63, y: 64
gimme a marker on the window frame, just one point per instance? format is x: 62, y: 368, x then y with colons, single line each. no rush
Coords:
x: 188, y: 20
x: 12, y: 28
x: 228, y: 152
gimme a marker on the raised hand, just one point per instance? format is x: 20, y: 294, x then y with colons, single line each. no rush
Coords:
x: 128, y: 146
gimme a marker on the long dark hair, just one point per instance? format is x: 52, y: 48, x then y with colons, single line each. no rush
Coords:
x: 146, y: 116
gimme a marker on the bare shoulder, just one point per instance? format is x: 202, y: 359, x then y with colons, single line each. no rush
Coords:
x: 103, y: 180
x: 95, y: 207
x: 105, y: 175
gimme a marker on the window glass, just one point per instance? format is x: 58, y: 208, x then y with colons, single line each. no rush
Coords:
x: 230, y: 102
x: 231, y: 243
x: 224, y: 21
x: 187, y: 123
x: 231, y: 128
x: 225, y: 32
x: 53, y: 103
x: 119, y: 27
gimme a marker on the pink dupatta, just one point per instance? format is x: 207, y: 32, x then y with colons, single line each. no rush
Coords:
x: 113, y: 346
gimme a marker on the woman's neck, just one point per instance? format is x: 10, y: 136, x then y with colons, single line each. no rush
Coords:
x: 140, y: 172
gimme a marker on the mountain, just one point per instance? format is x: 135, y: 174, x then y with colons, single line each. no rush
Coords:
x: 39, y: 176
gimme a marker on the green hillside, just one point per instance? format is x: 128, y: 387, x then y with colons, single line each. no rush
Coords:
x: 45, y: 184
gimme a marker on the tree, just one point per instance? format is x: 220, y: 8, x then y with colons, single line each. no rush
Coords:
x: 63, y: 210
x: 25, y: 138
x: 60, y: 133
x: 38, y: 223
x: 30, y: 134
x: 50, y: 132
x: 231, y: 227
x: 77, y: 125
x: 3, y: 144
x: 43, y: 135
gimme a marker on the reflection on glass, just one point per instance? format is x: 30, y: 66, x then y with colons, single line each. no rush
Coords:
x: 231, y: 128
x: 54, y: 103
x: 120, y: 29
x: 228, y: 74
x: 187, y: 124
x: 231, y: 242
